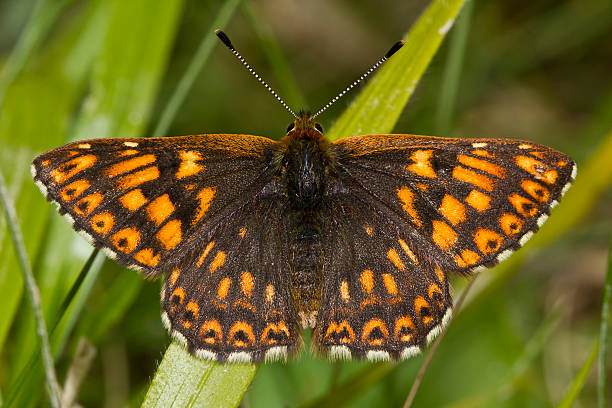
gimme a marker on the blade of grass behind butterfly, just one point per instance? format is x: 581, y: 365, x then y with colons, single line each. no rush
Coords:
x: 380, y: 103
x: 603, y: 335
x: 123, y: 76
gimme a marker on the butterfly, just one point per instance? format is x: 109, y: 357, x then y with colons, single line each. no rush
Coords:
x: 257, y: 239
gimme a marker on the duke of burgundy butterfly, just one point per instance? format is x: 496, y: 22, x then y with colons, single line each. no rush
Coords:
x: 257, y: 239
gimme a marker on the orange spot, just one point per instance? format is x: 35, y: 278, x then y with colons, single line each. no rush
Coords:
x: 126, y: 239
x: 217, y: 262
x: 395, y: 259
x: 147, y: 257
x: 421, y: 166
x: 245, y: 328
x: 443, y: 235
x: 188, y: 166
x: 523, y: 205
x: 210, y: 246
x: 406, y: 196
x: 344, y: 329
x: 128, y: 152
x: 211, y: 332
x: 390, y: 284
x: 160, y: 209
x: 536, y: 168
x: 247, y: 283
x: 488, y: 167
x: 276, y: 328
x: 419, y: 303
x: 133, y: 200
x: 487, y: 241
x: 195, y: 310
x: 269, y: 293
x: 369, y: 327
x: 70, y: 168
x: 129, y: 165
x: 476, y: 179
x: 223, y: 288
x: 408, y: 251
x: 421, y: 186
x: 45, y: 163
x: 433, y: 288
x: 87, y: 204
x: 367, y: 281
x: 510, y: 224
x: 102, y: 223
x: 74, y: 189
x: 479, y: 201
x: 344, y: 291
x: 189, y: 187
x: 483, y: 153
x: 440, y: 274
x: 466, y: 258
x: 369, y: 231
x: 174, y: 276
x: 242, y: 232
x: 404, y: 322
x: 180, y: 293
x: 205, y: 196
x: 539, y: 155
x: 452, y: 209
x: 562, y: 163
x: 170, y: 235
x: 536, y: 190
x: 138, y: 177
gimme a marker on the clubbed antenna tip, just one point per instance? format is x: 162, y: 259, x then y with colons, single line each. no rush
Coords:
x: 224, y: 38
x: 393, y: 49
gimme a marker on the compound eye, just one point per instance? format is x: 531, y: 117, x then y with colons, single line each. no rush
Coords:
x: 290, y: 127
x: 319, y: 127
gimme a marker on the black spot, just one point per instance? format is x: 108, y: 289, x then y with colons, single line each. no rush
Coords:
x: 437, y: 296
x: 210, y: 334
x: 513, y: 226
x: 278, y: 336
x: 376, y: 334
x: 528, y: 207
x: 122, y: 242
x: 425, y: 311
x: 70, y: 192
x: 539, y: 192
x: 241, y: 336
x: 189, y: 315
x: 492, y: 244
x: 176, y: 299
x: 83, y: 206
x: 100, y: 224
x: 69, y: 167
x: 405, y: 330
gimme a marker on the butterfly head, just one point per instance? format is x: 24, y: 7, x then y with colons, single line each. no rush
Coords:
x: 304, y: 124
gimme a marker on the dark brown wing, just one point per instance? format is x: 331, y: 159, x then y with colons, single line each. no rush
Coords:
x: 402, y: 212
x: 149, y: 202
x: 464, y: 203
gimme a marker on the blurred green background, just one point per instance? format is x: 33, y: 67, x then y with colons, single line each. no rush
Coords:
x: 539, y: 70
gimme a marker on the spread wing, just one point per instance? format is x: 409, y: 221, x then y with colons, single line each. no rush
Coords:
x: 204, y: 209
x: 405, y: 210
x: 149, y: 202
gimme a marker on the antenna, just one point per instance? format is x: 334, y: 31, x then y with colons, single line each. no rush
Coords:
x: 388, y: 55
x: 225, y: 39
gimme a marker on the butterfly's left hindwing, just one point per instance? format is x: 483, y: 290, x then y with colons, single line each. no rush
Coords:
x: 149, y: 202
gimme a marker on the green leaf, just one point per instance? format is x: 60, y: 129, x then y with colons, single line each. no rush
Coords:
x: 602, y: 384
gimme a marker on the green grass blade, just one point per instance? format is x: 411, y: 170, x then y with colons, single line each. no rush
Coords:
x: 379, y: 105
x: 576, y: 386
x: 603, y: 336
x: 185, y: 381
x: 452, y: 71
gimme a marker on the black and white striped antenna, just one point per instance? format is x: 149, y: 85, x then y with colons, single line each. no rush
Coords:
x: 388, y: 55
x: 225, y: 39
